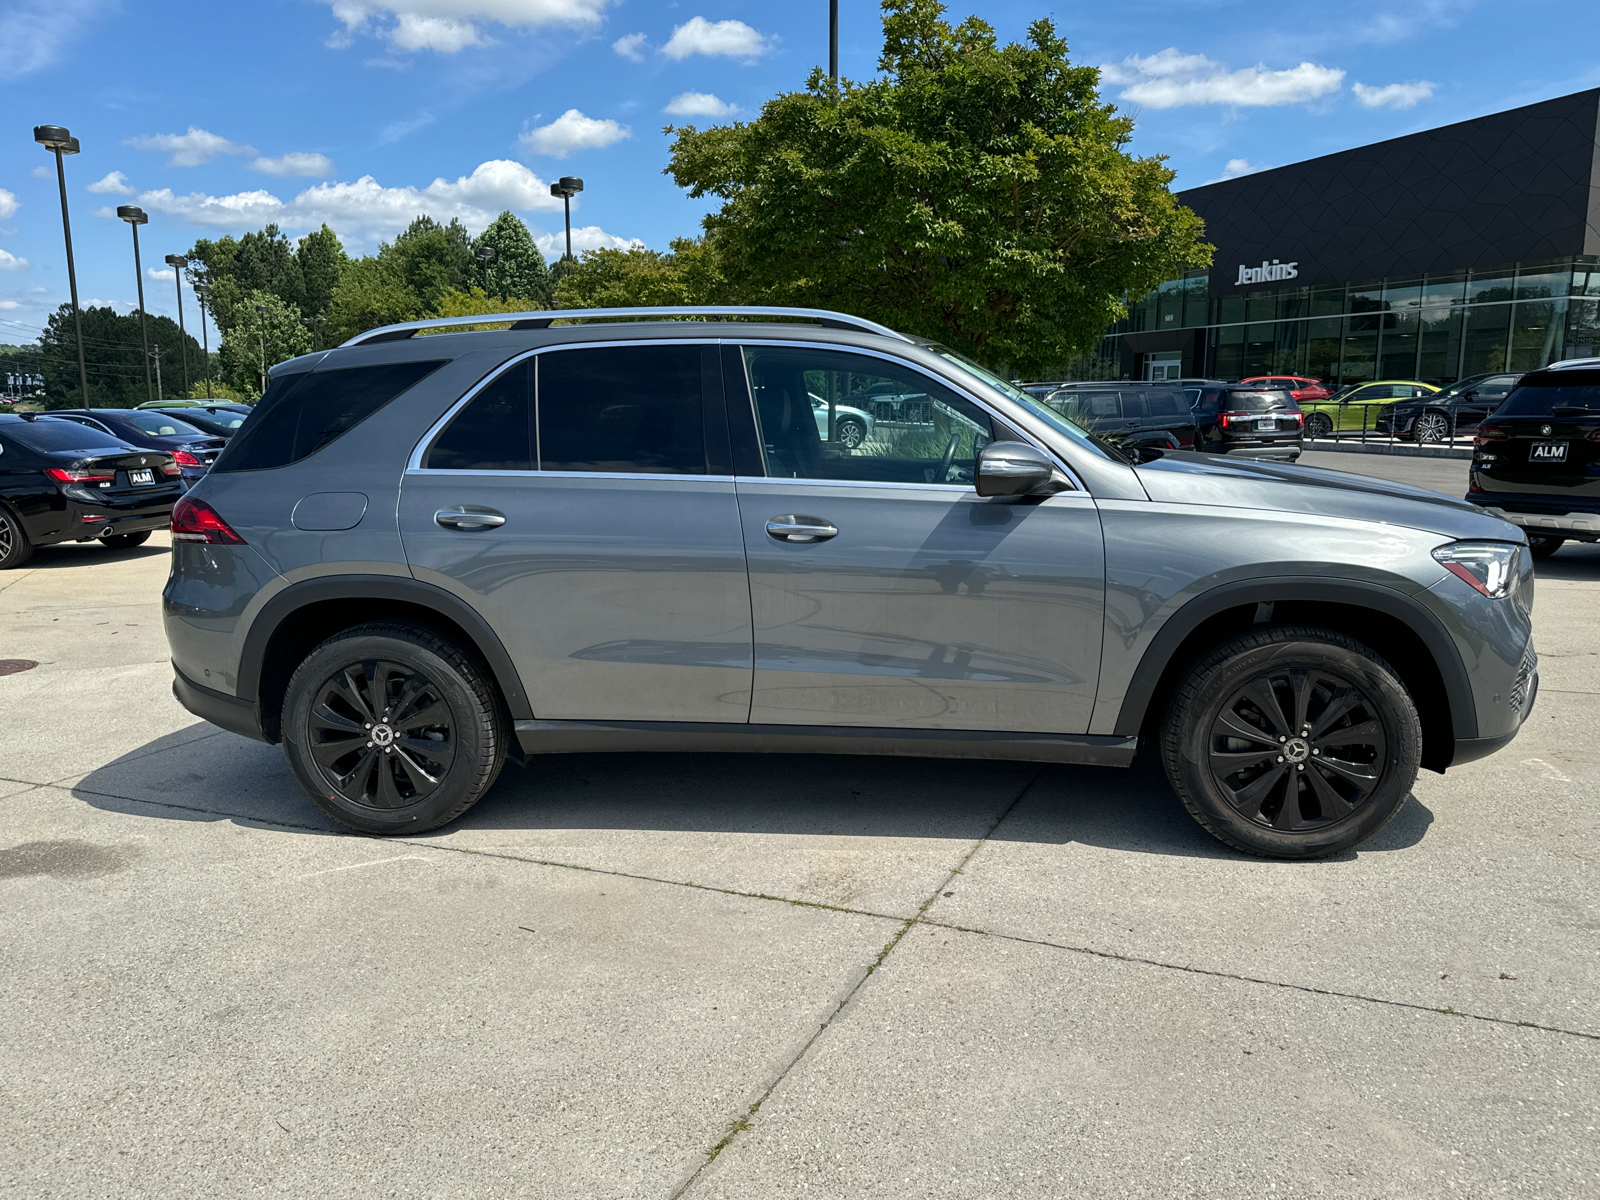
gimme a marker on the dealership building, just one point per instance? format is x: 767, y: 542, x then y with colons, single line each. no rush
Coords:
x: 1470, y: 248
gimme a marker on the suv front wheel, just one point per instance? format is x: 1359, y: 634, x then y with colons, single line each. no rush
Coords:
x: 1292, y: 742
x: 392, y: 729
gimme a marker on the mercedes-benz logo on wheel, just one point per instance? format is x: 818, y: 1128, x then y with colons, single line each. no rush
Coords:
x: 1296, y: 750
x: 382, y: 735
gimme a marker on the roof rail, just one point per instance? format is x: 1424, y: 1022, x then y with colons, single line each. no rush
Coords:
x: 542, y: 319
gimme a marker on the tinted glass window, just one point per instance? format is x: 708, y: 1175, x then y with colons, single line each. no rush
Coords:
x: 634, y: 409
x: 494, y: 432
x: 1536, y: 397
x: 933, y: 438
x: 300, y: 414
x: 1262, y: 400
x: 1164, y: 404
x: 50, y: 434
x: 1133, y: 405
x: 160, y: 424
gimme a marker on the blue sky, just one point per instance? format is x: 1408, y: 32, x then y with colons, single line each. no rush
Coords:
x: 219, y: 117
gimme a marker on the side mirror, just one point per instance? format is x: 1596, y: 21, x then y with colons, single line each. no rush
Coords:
x: 1012, y: 469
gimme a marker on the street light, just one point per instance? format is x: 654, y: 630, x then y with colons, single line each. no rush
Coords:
x: 178, y: 262
x: 135, y: 217
x: 315, y: 324
x: 60, y: 142
x: 261, y: 311
x: 202, y: 292
x: 485, y: 255
x: 833, y: 41
x: 567, y: 187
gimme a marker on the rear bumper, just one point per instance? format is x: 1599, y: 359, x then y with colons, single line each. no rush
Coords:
x: 1286, y: 448
x: 80, y: 525
x: 228, y: 712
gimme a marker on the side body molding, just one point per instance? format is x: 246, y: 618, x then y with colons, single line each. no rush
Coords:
x: 1357, y: 594
x: 380, y: 587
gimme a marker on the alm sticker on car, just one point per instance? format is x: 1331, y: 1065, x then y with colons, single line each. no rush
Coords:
x: 1547, y: 452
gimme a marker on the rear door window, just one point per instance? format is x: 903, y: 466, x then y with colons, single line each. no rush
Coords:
x: 300, y: 414
x: 494, y: 432
x: 1163, y: 404
x: 623, y: 409
x: 1133, y: 406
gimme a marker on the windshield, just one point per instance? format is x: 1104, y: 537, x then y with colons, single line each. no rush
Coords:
x: 1341, y: 393
x: 1057, y: 421
x: 160, y: 424
x: 52, y: 434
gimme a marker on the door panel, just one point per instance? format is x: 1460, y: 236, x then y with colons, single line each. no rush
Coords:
x: 618, y: 597
x: 930, y: 608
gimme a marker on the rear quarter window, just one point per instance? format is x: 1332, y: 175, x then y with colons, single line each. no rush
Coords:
x: 300, y: 414
x: 1539, y: 397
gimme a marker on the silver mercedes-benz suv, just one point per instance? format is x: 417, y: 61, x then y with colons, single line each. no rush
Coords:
x: 421, y: 555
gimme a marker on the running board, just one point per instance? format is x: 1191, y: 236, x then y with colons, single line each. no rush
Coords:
x: 589, y: 737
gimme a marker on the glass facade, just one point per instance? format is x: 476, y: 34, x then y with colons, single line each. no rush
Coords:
x: 1433, y: 328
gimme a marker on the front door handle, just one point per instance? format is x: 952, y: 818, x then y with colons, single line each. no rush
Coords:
x: 800, y: 529
x: 467, y: 517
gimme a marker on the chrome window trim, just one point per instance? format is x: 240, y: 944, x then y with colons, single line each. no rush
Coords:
x: 454, y: 473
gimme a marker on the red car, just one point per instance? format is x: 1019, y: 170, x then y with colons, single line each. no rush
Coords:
x: 1303, y: 388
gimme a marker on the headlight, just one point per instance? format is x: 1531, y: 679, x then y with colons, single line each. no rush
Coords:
x: 1490, y: 567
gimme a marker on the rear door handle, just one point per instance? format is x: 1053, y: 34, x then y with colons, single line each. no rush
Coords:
x: 800, y: 529
x: 468, y: 517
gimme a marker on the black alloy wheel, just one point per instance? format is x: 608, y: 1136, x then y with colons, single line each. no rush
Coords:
x: 391, y: 728
x: 1292, y: 742
x: 1318, y: 425
x: 1432, y: 428
x: 1543, y: 545
x: 15, y: 546
x: 851, y: 434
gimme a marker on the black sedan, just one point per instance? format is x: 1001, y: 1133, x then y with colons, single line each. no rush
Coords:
x: 65, y: 482
x: 218, y: 420
x: 1456, y: 410
x: 193, y: 448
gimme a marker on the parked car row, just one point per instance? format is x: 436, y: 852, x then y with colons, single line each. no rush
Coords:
x: 101, y: 474
x: 1257, y: 419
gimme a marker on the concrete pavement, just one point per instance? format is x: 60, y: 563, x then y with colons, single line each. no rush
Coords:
x: 663, y: 975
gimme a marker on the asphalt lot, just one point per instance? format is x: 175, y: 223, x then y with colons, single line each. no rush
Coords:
x: 748, y: 976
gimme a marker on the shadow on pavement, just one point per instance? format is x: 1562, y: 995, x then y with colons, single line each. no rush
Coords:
x: 87, y: 554
x: 221, y: 776
x: 1575, y: 560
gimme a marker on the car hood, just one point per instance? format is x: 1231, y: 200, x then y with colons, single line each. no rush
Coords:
x: 1186, y: 478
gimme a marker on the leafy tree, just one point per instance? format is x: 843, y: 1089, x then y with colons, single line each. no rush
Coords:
x: 113, y: 358
x: 247, y: 335
x: 219, y: 391
x: 691, y: 274
x: 431, y: 259
x: 321, y: 259
x: 976, y: 193
x: 517, y: 268
x: 475, y: 300
x: 371, y: 292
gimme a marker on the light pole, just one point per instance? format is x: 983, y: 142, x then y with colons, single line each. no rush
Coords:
x: 261, y: 311
x: 567, y: 187
x: 201, y: 291
x: 135, y: 217
x: 315, y: 324
x: 485, y: 255
x: 833, y: 41
x: 178, y: 263
x: 60, y: 142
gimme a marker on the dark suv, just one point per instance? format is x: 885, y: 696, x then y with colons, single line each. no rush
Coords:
x: 65, y: 482
x: 1258, y: 419
x: 1130, y: 414
x: 1536, y: 461
x: 423, y: 555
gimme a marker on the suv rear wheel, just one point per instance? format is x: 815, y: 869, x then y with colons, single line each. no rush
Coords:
x: 1318, y: 425
x: 1543, y: 545
x: 1292, y: 742
x: 392, y: 729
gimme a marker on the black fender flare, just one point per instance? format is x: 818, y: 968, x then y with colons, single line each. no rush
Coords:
x: 380, y: 587
x: 1357, y: 594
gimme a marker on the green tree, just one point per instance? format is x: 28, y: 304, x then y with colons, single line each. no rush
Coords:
x: 976, y: 193
x: 253, y: 340
x: 114, y: 360
x: 431, y: 259
x: 691, y: 274
x: 371, y: 292
x: 517, y: 268
x: 321, y: 259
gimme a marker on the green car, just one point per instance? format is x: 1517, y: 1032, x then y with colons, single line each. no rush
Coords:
x: 1356, y: 405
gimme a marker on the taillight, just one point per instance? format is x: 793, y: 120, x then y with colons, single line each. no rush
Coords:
x: 1489, y: 433
x: 1593, y: 435
x: 197, y: 521
x: 1299, y: 418
x: 185, y: 459
x: 1228, y: 418
x: 67, y: 475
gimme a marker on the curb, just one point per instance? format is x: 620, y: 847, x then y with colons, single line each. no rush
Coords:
x: 1372, y: 448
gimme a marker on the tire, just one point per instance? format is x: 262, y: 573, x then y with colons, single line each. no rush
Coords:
x: 1432, y: 428
x: 1232, y: 784
x: 125, y: 541
x: 1318, y: 426
x: 421, y: 774
x: 851, y: 433
x: 16, y: 547
x: 1543, y: 545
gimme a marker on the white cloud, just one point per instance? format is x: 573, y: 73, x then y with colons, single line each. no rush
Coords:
x: 365, y: 208
x: 8, y: 204
x: 35, y: 33
x: 733, y: 39
x: 191, y: 149
x: 10, y: 262
x: 114, y: 184
x: 587, y: 237
x: 8, y: 305
x: 1169, y: 79
x: 1393, y: 95
x: 630, y: 47
x: 572, y: 131
x: 1236, y: 167
x: 43, y: 173
x: 699, y: 104
x: 446, y: 26
x: 293, y: 164
x: 160, y: 272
